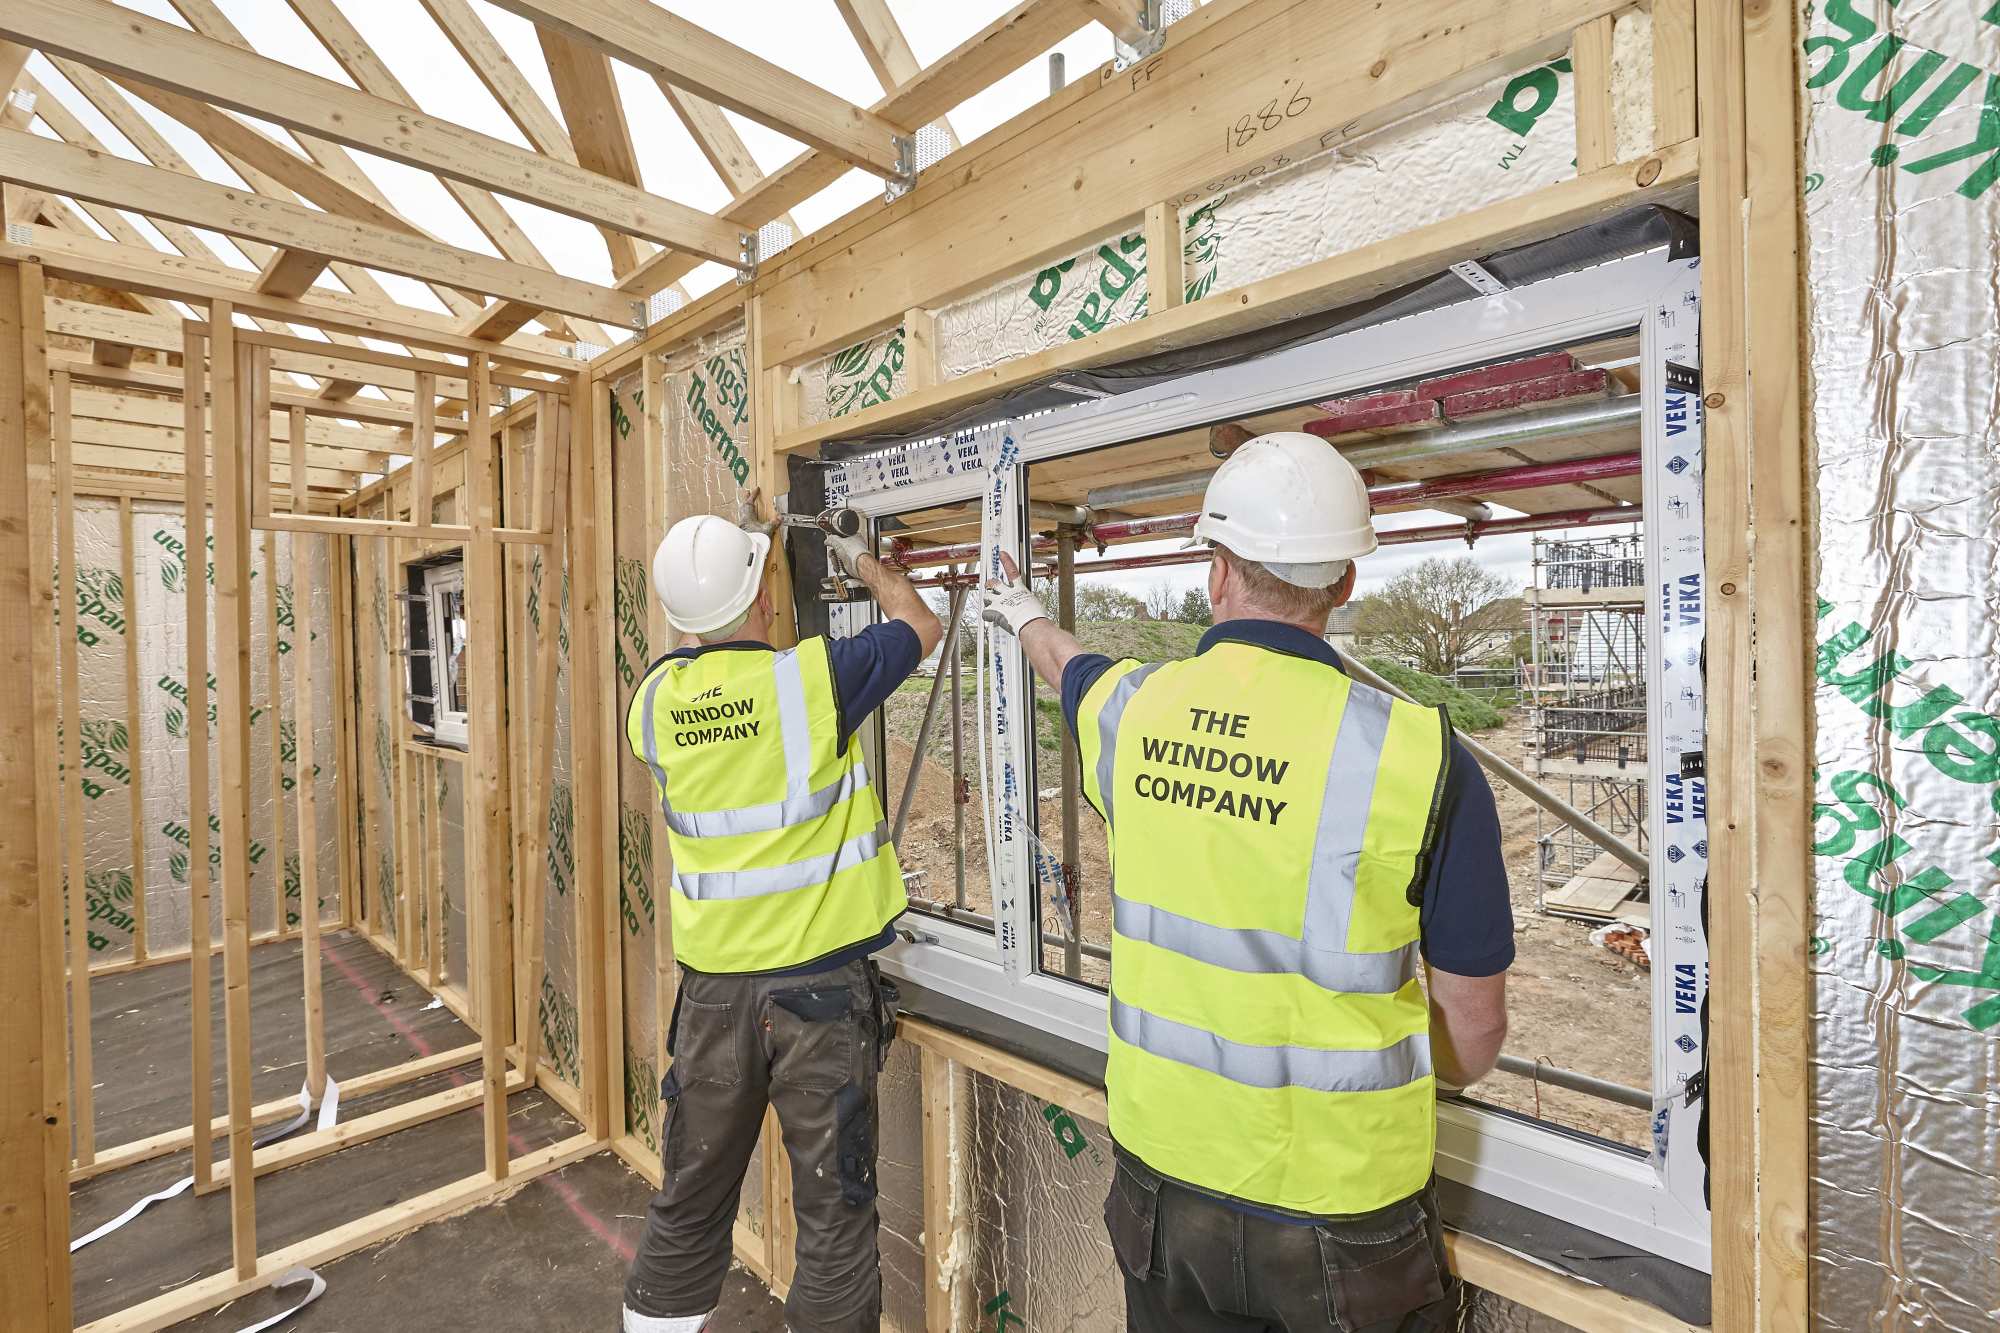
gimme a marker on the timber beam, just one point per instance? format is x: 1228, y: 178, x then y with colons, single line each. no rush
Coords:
x: 116, y: 39
x: 82, y: 174
x: 669, y: 47
x: 974, y: 65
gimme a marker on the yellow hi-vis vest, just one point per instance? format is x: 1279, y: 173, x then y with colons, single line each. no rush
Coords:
x: 780, y: 851
x: 1270, y: 820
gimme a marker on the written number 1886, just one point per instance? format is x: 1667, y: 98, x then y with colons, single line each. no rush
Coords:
x: 1267, y: 117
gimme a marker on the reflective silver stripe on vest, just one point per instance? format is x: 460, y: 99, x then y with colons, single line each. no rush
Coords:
x: 1107, y: 728
x: 649, y: 738
x: 714, y: 885
x: 1343, y: 817
x: 1264, y: 951
x: 1273, y: 1066
x: 793, y: 727
x: 766, y: 818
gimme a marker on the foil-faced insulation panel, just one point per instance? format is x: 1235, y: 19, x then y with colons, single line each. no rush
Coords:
x: 556, y: 1007
x: 121, y: 734
x: 378, y: 640
x: 1487, y: 1313
x: 1038, y: 1179
x: 449, y: 778
x: 1902, y: 156
x: 632, y: 651
x: 899, y: 1176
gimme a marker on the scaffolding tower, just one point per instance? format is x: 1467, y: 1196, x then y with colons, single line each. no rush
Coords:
x: 1584, y: 697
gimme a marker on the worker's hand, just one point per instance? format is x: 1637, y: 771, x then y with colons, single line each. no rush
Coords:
x: 748, y: 516
x: 1011, y: 605
x: 848, y: 551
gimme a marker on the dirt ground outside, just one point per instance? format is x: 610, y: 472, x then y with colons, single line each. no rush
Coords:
x: 1571, y: 1004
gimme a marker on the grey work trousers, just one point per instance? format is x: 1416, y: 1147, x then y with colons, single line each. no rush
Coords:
x: 810, y: 1047
x: 1194, y: 1264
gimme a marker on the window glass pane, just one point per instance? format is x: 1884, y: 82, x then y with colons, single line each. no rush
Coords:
x: 943, y: 844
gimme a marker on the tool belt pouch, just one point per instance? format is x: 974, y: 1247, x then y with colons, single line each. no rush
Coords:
x: 888, y: 1010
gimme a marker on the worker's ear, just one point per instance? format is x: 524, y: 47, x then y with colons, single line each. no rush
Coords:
x: 1345, y: 588
x: 1220, y: 578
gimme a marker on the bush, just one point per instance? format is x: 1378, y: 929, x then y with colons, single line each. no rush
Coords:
x: 1467, y: 712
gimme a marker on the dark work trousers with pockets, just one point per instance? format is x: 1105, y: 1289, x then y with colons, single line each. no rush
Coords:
x: 810, y: 1047
x: 1193, y: 1264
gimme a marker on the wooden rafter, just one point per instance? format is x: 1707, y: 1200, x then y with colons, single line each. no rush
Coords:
x: 516, y: 96
x: 117, y: 39
x: 671, y: 48
x: 347, y: 46
x: 13, y: 59
x: 205, y: 18
x: 601, y: 137
x: 885, y: 48
x: 139, y: 131
x: 80, y: 173
x: 974, y: 65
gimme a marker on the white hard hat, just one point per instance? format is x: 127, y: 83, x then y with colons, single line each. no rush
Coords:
x: 707, y: 572
x: 1289, y: 501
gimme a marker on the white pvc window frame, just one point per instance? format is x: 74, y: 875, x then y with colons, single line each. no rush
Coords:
x: 441, y: 584
x: 1655, y: 1203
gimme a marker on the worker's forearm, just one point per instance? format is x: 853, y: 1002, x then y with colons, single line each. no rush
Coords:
x: 1461, y: 1053
x: 1049, y: 647
x: 899, y: 600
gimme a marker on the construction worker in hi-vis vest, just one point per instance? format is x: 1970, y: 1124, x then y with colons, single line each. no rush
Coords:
x: 783, y: 885
x: 1287, y: 846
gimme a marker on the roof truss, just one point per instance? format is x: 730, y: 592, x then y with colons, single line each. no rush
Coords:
x: 313, y: 216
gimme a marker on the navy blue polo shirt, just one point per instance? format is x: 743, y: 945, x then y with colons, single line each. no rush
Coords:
x: 867, y: 668
x: 1467, y: 917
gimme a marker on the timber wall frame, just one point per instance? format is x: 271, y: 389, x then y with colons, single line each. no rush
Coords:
x: 978, y: 219
x: 984, y: 220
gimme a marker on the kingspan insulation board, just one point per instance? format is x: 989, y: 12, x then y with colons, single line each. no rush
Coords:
x: 1902, y: 155
x: 153, y: 611
x: 1498, y: 142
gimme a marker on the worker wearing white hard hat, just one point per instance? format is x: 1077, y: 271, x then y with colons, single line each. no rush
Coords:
x: 1291, y: 846
x: 784, y: 885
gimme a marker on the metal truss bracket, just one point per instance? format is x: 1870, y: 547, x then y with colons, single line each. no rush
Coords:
x: 746, y: 270
x: 896, y: 186
x: 1478, y: 277
x: 638, y: 316
x: 20, y: 233
x: 1130, y: 48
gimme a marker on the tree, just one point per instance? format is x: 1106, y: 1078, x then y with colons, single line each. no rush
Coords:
x: 1101, y: 601
x: 1163, y: 601
x: 1439, y: 616
x: 1194, y: 608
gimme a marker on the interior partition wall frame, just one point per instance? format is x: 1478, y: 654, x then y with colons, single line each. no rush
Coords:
x: 1654, y: 1202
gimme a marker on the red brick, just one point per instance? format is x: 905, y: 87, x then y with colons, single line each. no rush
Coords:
x: 1505, y: 397
x: 1488, y: 377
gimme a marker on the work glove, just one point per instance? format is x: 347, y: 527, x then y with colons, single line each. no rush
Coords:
x: 848, y: 551
x: 1011, y: 605
x: 747, y: 516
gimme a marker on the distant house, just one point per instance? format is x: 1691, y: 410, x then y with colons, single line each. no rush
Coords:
x: 1342, y: 629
